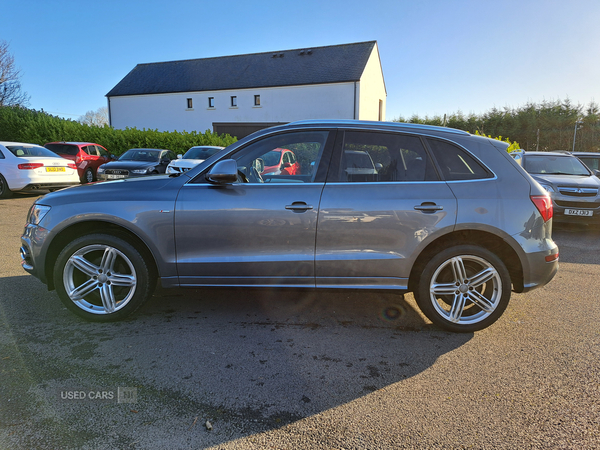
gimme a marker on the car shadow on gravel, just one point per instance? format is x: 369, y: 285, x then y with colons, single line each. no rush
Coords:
x: 246, y: 361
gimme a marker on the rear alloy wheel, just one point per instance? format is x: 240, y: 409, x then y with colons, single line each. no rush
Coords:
x: 102, y: 278
x: 464, y: 288
x: 88, y: 176
x: 5, y: 192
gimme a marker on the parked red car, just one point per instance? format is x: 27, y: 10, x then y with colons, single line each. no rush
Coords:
x: 281, y: 161
x: 87, y: 156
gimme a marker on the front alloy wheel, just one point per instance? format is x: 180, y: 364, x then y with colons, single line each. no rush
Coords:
x: 464, y: 288
x: 102, y: 278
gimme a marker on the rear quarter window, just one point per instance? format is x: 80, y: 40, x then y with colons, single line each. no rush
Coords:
x: 456, y: 163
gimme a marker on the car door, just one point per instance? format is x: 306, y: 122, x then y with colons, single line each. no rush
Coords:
x: 257, y: 231
x: 382, y: 201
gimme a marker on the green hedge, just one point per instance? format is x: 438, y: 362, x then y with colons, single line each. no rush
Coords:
x: 37, y: 127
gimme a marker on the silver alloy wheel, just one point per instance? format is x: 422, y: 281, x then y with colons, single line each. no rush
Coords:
x: 99, y: 279
x: 88, y: 176
x: 465, y: 289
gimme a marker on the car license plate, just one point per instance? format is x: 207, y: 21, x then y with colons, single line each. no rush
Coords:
x: 114, y: 177
x: 578, y: 212
x: 55, y: 169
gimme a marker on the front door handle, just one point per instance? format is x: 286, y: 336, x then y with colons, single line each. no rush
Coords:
x: 428, y: 207
x: 298, y: 207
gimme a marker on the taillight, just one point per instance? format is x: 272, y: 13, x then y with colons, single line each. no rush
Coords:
x: 72, y: 166
x: 544, y: 205
x: 30, y: 166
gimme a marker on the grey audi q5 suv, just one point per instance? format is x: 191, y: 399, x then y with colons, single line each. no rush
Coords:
x: 441, y: 213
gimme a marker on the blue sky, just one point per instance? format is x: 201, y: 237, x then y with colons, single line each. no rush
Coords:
x: 438, y: 56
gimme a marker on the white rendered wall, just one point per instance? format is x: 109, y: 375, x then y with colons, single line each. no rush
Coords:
x: 372, y: 89
x: 168, y: 112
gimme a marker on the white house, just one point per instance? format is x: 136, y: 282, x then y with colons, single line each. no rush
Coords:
x: 241, y: 94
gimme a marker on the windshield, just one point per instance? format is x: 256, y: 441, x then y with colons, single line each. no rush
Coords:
x: 200, y: 153
x: 31, y: 150
x: 141, y: 155
x: 555, y: 165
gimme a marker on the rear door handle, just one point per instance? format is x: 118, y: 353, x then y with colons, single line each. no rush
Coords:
x: 298, y: 207
x: 430, y: 207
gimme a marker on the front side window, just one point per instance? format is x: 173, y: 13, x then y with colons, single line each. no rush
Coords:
x: 457, y: 164
x: 383, y: 157
x: 263, y: 162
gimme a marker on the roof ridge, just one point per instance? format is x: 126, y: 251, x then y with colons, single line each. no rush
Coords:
x: 258, y: 53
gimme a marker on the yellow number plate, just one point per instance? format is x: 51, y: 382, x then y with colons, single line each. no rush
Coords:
x: 55, y: 169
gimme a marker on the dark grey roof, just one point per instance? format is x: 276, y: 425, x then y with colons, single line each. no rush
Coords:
x: 330, y: 64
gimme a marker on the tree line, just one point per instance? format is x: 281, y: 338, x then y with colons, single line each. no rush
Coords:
x: 545, y: 126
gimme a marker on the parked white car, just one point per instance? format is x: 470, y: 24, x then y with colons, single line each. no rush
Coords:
x: 192, y: 158
x: 28, y: 167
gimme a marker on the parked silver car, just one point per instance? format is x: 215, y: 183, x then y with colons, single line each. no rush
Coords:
x: 447, y: 215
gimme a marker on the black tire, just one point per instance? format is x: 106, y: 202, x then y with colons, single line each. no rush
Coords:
x: 5, y: 192
x: 88, y: 176
x: 465, y: 288
x: 114, y: 276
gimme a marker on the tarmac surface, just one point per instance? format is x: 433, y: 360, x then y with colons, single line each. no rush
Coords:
x: 288, y: 369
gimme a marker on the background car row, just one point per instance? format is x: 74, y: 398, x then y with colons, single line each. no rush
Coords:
x: 573, y: 186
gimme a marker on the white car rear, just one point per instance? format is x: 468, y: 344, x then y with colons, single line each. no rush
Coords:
x: 25, y: 167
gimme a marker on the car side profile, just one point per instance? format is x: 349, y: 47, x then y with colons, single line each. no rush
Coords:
x: 26, y: 167
x: 87, y: 156
x: 448, y: 216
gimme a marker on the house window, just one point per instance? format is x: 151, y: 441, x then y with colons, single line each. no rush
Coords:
x: 257, y: 100
x: 189, y: 103
x: 234, y: 101
x: 211, y: 102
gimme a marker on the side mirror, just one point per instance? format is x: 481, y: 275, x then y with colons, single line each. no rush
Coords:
x: 223, y: 172
x: 179, y: 156
x: 597, y: 173
x: 378, y: 166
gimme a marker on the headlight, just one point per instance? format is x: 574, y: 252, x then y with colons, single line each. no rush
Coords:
x: 170, y: 169
x: 37, y: 213
x: 548, y: 187
x: 141, y: 171
x: 100, y: 170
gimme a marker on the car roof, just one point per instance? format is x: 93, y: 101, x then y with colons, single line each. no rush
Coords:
x: 396, y: 126
x: 5, y: 143
x: 565, y: 155
x: 72, y: 143
x: 578, y: 154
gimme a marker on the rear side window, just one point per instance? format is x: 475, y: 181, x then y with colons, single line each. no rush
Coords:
x: 456, y: 163
x: 63, y: 149
x: 384, y: 157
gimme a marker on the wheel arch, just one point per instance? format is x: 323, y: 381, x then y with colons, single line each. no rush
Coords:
x: 484, y: 239
x: 90, y: 227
